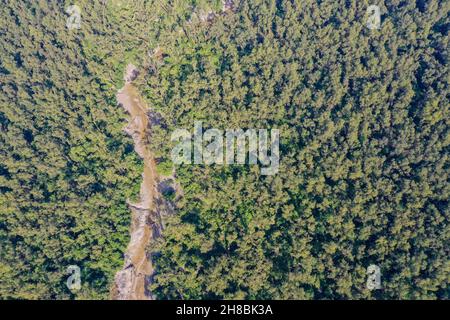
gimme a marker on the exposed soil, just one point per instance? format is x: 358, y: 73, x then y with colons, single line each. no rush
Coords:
x: 131, y: 282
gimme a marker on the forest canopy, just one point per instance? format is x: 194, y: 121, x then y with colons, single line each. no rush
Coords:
x: 363, y: 116
x: 363, y: 178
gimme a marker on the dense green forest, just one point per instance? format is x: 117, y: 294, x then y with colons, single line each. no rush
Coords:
x: 66, y: 167
x: 363, y: 178
x: 364, y: 121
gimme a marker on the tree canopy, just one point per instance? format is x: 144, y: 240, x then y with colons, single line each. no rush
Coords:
x: 363, y: 179
x: 364, y: 121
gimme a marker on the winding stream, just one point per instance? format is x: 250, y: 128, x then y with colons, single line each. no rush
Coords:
x: 131, y: 282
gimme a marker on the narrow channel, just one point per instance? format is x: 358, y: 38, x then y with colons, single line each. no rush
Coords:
x: 131, y: 282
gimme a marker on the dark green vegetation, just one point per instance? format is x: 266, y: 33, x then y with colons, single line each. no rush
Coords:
x: 364, y: 168
x: 66, y: 167
x: 363, y: 180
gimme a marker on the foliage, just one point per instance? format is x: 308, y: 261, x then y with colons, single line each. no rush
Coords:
x: 363, y: 180
x: 66, y: 166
